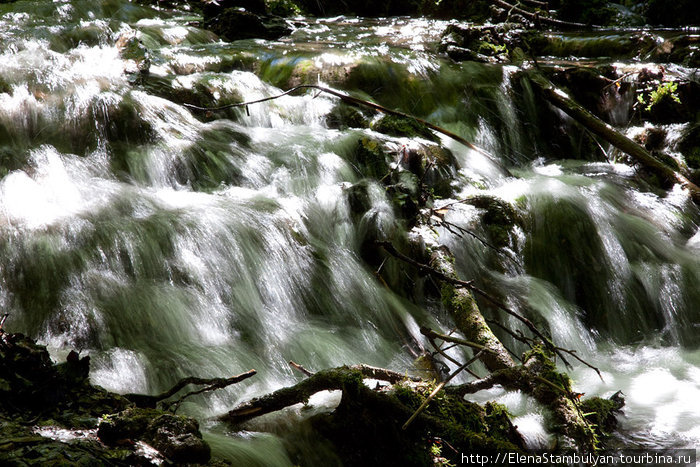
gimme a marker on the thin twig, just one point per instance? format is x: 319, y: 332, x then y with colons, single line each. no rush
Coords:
x: 430, y: 333
x: 470, y: 285
x: 144, y: 400
x: 389, y: 247
x: 438, y: 388
x: 447, y: 357
x: 574, y: 354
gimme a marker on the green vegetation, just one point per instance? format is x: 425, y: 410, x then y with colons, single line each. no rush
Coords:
x: 665, y: 91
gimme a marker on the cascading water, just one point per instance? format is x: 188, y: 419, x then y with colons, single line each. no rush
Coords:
x: 167, y: 243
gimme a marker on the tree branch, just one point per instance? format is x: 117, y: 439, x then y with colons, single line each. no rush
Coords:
x: 144, y: 400
x: 365, y: 103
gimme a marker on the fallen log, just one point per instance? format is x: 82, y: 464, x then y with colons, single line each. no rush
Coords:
x: 324, y: 380
x: 562, y: 101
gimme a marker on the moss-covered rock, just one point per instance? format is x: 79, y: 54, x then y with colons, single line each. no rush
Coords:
x: 394, y: 125
x: 177, y: 437
x: 39, y: 400
x: 366, y: 427
x: 499, y: 218
x: 602, y: 413
x: 466, y: 42
x: 344, y: 116
x: 690, y: 146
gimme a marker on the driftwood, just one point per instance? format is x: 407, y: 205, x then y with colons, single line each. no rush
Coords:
x: 536, y: 375
x: 598, y: 127
x: 211, y: 384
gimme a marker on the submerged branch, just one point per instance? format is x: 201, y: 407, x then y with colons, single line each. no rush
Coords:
x: 365, y: 103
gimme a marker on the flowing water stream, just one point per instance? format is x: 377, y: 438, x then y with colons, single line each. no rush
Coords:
x: 167, y: 243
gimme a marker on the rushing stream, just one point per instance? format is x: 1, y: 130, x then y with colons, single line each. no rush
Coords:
x: 168, y: 243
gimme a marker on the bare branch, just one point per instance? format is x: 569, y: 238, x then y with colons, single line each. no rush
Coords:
x: 300, y: 368
x: 365, y: 103
x: 143, y: 400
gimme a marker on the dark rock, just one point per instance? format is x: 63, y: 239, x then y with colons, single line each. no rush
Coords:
x: 177, y: 437
x: 586, y: 11
x: 591, y: 87
x: 683, y: 49
x: 676, y: 13
x: 653, y: 139
x: 464, y: 42
x: 689, y: 146
x: 344, y: 116
x: 233, y: 24
x: 212, y: 9
x: 499, y: 218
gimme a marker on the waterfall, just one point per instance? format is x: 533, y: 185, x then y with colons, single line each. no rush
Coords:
x: 166, y: 242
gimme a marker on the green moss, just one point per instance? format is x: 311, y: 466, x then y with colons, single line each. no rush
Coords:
x: 394, y: 125
x: 371, y: 159
x: 283, y: 7
x: 499, y: 219
x: 601, y: 414
x: 545, y: 367
x: 344, y: 116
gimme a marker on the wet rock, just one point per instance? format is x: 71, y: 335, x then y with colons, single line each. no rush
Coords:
x: 394, y: 125
x: 689, y: 146
x: 39, y: 400
x: 652, y: 138
x: 464, y: 42
x: 669, y: 101
x: 594, y: 45
x: 592, y: 88
x: 499, y: 218
x: 177, y: 437
x: 344, y: 116
x: 134, y: 53
x: 233, y: 23
x: 682, y: 49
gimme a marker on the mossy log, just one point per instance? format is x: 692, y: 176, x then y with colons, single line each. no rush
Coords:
x: 462, y: 305
x: 537, y: 376
x: 562, y: 101
x: 366, y: 425
x: 324, y: 380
